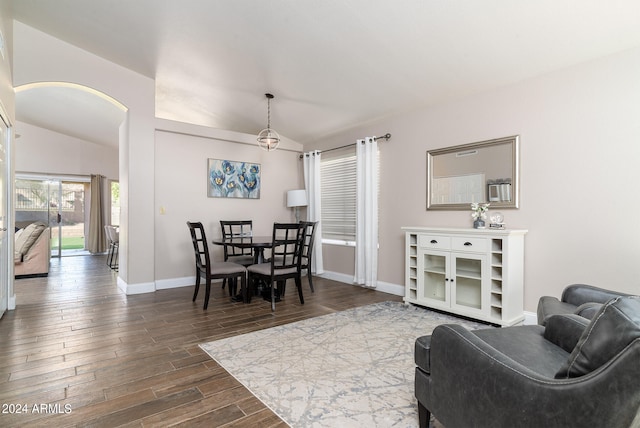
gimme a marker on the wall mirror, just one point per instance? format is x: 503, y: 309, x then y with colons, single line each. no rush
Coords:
x: 486, y: 171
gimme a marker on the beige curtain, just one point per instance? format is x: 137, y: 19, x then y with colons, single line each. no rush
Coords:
x: 96, y: 238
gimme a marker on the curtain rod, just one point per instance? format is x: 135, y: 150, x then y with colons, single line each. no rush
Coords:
x: 385, y: 136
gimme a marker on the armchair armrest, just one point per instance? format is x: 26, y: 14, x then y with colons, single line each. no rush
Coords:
x: 578, y: 294
x: 549, y: 306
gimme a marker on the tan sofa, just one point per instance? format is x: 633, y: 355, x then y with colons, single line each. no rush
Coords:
x: 32, y: 250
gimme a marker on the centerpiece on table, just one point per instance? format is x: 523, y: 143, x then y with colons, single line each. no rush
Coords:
x: 479, y: 214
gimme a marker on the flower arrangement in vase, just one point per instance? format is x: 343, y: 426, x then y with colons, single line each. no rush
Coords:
x: 479, y: 214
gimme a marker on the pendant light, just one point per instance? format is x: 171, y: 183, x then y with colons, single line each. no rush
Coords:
x: 268, y: 139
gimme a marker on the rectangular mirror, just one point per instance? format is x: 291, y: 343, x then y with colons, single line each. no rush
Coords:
x: 486, y: 171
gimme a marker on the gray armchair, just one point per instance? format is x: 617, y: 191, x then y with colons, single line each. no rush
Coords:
x: 573, y: 372
x: 580, y: 299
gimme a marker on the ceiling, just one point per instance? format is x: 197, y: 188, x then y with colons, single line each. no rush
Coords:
x: 331, y: 64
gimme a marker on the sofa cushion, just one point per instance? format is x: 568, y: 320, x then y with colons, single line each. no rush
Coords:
x: 612, y: 329
x: 24, y: 240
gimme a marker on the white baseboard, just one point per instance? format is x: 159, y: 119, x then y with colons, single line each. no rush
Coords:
x: 145, y: 287
x: 530, y: 318
x: 164, y: 284
x: 385, y: 287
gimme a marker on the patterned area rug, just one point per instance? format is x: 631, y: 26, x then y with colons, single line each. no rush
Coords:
x: 353, y: 368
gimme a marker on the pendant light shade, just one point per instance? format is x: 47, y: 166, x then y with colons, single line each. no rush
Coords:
x: 268, y: 139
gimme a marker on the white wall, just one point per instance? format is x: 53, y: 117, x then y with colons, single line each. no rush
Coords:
x: 181, y: 192
x: 7, y: 95
x: 580, y: 148
x: 44, y: 151
x: 7, y: 103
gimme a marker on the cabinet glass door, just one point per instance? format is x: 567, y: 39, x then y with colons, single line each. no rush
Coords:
x: 435, y: 277
x: 467, y: 274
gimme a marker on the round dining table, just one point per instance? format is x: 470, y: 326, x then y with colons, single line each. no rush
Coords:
x: 257, y: 243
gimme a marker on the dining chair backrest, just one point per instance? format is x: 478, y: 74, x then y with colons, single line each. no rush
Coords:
x: 309, y: 239
x: 107, y: 233
x: 236, y: 229
x: 287, y: 246
x: 200, y: 246
x: 307, y: 248
x: 113, y: 242
x: 112, y: 234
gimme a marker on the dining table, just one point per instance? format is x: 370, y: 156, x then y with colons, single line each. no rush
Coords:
x: 257, y: 243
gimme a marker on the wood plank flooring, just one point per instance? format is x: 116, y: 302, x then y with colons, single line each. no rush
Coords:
x: 79, y: 352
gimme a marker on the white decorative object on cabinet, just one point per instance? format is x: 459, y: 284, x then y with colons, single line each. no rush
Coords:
x: 476, y: 273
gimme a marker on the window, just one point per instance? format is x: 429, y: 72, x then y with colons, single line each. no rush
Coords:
x: 338, y: 196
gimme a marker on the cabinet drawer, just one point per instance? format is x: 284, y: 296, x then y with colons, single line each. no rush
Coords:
x: 475, y: 245
x: 434, y: 241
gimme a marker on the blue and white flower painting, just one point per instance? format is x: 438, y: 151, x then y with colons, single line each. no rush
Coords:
x: 230, y: 179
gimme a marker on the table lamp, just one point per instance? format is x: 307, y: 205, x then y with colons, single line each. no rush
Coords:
x: 297, y: 199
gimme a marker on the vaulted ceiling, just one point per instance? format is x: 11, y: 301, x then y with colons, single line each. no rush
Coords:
x: 331, y: 64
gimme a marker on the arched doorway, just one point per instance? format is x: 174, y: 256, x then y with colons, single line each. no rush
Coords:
x: 66, y: 133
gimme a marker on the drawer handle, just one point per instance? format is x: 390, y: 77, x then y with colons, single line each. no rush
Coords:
x: 433, y: 241
x: 468, y: 244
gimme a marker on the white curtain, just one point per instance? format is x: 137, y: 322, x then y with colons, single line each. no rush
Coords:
x: 314, y: 212
x: 366, y: 268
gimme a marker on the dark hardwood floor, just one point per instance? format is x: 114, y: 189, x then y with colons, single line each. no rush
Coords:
x: 78, y: 352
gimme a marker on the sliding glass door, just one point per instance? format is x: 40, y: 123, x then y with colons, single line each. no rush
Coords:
x: 58, y: 203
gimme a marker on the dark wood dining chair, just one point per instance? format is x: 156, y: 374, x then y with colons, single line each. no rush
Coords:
x: 307, y: 248
x: 285, y: 261
x: 235, y: 229
x: 212, y: 270
x: 114, y: 244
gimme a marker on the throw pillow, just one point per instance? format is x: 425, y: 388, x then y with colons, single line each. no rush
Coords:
x: 27, y: 238
x: 17, y: 255
x: 615, y: 325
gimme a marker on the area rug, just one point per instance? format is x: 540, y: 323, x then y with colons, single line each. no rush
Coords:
x: 353, y: 368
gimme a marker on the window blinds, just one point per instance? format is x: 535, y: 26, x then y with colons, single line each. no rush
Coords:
x: 338, y: 189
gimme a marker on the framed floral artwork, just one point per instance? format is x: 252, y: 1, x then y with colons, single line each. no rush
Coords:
x: 231, y: 179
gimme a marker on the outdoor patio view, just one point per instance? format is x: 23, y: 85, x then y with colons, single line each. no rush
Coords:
x: 59, y: 205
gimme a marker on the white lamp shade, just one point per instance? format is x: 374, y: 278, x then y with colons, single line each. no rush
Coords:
x: 297, y: 198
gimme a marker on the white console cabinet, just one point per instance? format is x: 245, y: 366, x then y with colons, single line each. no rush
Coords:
x: 476, y: 273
